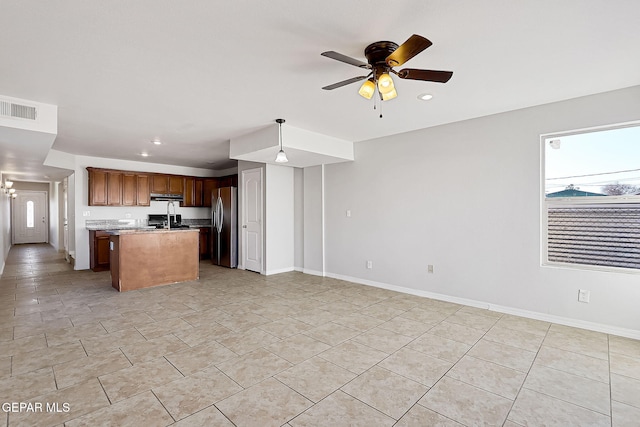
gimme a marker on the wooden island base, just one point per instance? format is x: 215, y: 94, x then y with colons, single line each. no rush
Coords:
x: 141, y: 259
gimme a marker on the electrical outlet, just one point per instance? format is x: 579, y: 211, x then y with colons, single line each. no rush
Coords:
x: 86, y: 213
x: 369, y: 264
x: 348, y: 214
x: 430, y: 268
x: 127, y: 215
x: 583, y: 295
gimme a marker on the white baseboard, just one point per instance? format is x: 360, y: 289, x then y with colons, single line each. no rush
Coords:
x: 278, y: 271
x: 576, y: 323
x: 313, y: 272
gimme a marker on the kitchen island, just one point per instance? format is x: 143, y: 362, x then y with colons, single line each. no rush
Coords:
x: 145, y: 258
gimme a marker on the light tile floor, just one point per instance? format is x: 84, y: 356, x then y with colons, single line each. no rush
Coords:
x: 237, y: 348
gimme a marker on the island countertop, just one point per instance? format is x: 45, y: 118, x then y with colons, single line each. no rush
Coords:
x: 149, y: 230
x: 151, y: 257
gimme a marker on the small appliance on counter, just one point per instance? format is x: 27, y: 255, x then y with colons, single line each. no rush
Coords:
x: 160, y: 221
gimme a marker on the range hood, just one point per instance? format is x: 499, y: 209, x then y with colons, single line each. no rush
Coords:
x: 167, y: 197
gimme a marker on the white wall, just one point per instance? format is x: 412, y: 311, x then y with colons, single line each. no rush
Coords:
x: 279, y: 219
x: 298, y: 218
x: 5, y: 230
x: 314, y: 262
x: 54, y: 219
x: 465, y: 197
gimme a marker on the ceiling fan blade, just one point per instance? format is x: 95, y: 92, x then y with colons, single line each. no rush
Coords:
x: 344, y: 82
x: 407, y: 50
x: 428, y: 75
x: 346, y: 59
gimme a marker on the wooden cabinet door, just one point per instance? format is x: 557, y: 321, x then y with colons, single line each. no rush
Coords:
x: 176, y: 184
x: 208, y: 185
x: 129, y: 189
x: 205, y: 233
x: 160, y: 184
x: 144, y: 198
x: 189, y: 192
x: 99, y: 250
x: 114, y: 188
x: 97, y: 187
x: 198, y: 197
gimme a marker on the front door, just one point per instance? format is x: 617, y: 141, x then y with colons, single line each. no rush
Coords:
x: 30, y: 221
x: 252, y: 219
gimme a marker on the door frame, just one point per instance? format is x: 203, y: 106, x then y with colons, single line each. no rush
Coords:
x: 242, y: 266
x: 45, y: 213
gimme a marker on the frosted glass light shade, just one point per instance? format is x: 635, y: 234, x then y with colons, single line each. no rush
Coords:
x: 367, y: 89
x: 281, y: 157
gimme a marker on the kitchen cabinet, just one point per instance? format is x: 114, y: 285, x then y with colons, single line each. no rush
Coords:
x: 176, y: 184
x: 110, y: 187
x: 144, y: 196
x: 99, y: 250
x: 205, y: 236
x: 135, y: 190
x: 129, y: 189
x: 97, y: 187
x: 208, y: 185
x: 114, y: 188
x: 193, y: 192
x: 167, y: 184
x: 160, y: 184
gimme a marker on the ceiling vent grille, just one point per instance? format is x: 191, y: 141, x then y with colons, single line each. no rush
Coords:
x: 17, y: 111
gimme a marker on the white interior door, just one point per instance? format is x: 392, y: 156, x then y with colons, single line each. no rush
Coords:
x: 30, y: 219
x: 252, y: 219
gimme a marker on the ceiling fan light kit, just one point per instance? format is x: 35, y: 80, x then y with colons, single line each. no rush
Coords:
x: 381, y: 57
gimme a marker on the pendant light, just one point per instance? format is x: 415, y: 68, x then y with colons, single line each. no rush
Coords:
x: 282, y: 156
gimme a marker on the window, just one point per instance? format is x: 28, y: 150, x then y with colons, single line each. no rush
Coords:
x: 591, y: 208
x: 30, y: 214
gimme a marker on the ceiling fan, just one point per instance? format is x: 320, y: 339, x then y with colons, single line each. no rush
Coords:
x: 381, y: 58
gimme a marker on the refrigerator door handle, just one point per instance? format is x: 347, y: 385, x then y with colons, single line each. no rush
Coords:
x: 218, y: 222
x: 213, y: 217
x: 221, y: 213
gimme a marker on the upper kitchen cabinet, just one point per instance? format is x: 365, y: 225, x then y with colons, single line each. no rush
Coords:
x: 97, y: 187
x: 105, y: 187
x: 117, y: 188
x: 114, y: 188
x: 129, y: 189
x: 208, y: 185
x: 167, y: 184
x: 160, y: 184
x: 176, y: 184
x: 144, y: 196
x: 193, y: 192
x: 135, y: 189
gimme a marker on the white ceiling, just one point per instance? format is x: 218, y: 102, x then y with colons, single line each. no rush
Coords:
x: 197, y: 73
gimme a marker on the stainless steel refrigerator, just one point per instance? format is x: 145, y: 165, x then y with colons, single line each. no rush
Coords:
x: 224, y: 233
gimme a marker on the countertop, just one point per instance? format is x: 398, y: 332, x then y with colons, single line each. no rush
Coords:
x: 152, y: 230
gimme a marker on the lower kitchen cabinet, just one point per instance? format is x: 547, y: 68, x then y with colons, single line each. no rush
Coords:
x: 205, y: 236
x: 99, y: 250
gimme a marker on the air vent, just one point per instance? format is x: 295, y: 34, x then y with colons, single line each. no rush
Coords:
x: 17, y: 111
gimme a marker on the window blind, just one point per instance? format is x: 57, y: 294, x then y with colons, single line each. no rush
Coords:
x: 607, y: 235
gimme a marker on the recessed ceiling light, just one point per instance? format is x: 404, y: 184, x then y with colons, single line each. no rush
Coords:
x: 156, y: 141
x: 425, y: 96
x: 144, y: 154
